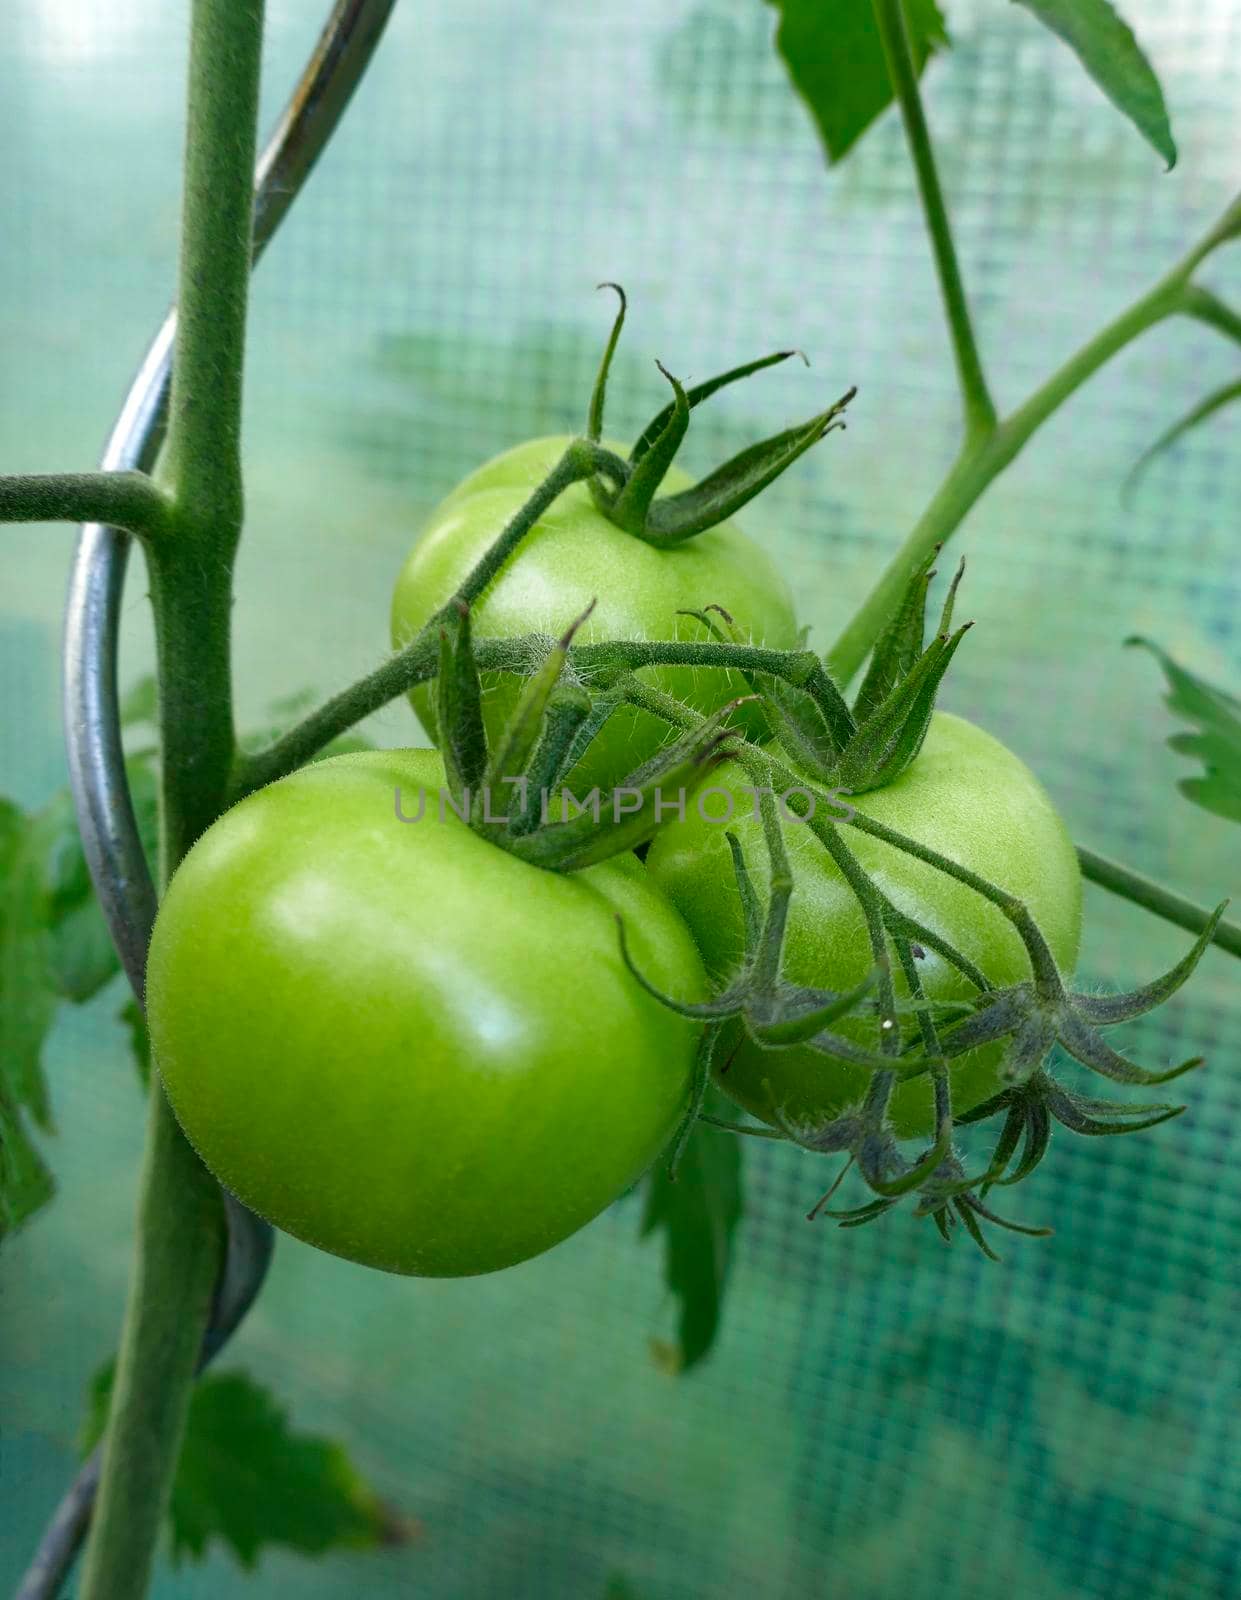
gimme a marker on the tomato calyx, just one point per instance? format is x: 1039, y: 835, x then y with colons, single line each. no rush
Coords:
x: 869, y: 744
x: 513, y: 792
x: 774, y: 1012
x: 1035, y: 1019
x: 635, y: 504
x: 777, y: 1015
x: 1032, y: 1016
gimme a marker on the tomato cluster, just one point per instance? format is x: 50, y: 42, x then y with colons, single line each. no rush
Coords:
x: 420, y: 1051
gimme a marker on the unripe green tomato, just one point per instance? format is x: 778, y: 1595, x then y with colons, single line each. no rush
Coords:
x: 967, y: 797
x: 574, y: 555
x: 402, y: 1044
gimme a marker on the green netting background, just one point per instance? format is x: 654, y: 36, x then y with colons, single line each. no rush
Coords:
x: 883, y: 1417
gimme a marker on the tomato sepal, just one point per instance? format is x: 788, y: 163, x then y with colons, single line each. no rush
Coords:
x: 590, y: 837
x: 776, y: 1014
x: 634, y: 504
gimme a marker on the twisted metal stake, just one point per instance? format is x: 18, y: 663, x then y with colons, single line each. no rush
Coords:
x: 113, y: 849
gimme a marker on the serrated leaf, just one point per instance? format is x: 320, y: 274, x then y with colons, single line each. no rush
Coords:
x: 1217, y: 744
x: 246, y: 1480
x: 1105, y: 45
x: 698, y: 1216
x: 835, y: 58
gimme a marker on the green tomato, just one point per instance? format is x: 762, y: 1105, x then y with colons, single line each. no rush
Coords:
x: 965, y: 796
x: 574, y: 555
x: 400, y: 1043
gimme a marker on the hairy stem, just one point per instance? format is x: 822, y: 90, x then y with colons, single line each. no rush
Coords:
x: 419, y: 660
x: 982, y: 461
x: 1120, y: 880
x: 180, y: 1246
x: 128, y: 500
x: 580, y: 461
x: 181, y: 1228
x: 976, y: 399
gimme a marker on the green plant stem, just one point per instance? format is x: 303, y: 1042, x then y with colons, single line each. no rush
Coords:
x: 202, y: 457
x: 181, y: 1232
x: 580, y: 461
x: 982, y: 460
x: 128, y: 500
x: 976, y: 399
x: 180, y: 1246
x: 1120, y: 880
x: 1174, y: 908
x: 419, y: 661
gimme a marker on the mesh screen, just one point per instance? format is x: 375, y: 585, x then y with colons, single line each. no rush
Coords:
x: 883, y: 1416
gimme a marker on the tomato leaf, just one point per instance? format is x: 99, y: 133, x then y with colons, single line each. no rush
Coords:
x: 698, y: 1215
x: 835, y: 59
x: 27, y: 1000
x: 27, y: 1006
x: 25, y: 1183
x: 245, y: 1479
x: 81, y: 957
x: 1105, y: 45
x: 620, y: 1588
x: 1217, y: 743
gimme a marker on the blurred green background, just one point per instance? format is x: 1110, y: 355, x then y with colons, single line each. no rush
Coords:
x: 883, y: 1417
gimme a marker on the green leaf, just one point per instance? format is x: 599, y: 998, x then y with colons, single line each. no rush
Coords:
x: 245, y: 1479
x: 698, y: 1215
x: 80, y: 954
x: 25, y: 1183
x: 620, y: 1588
x: 27, y: 999
x: 1217, y: 744
x: 27, y: 1006
x: 835, y: 59
x: 1105, y: 45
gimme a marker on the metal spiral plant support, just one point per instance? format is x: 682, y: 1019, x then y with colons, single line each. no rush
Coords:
x: 118, y: 865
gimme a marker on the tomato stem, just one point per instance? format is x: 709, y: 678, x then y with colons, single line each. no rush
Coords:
x: 1175, y: 908
x: 181, y: 1223
x: 128, y: 500
x: 984, y: 456
x: 978, y: 407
